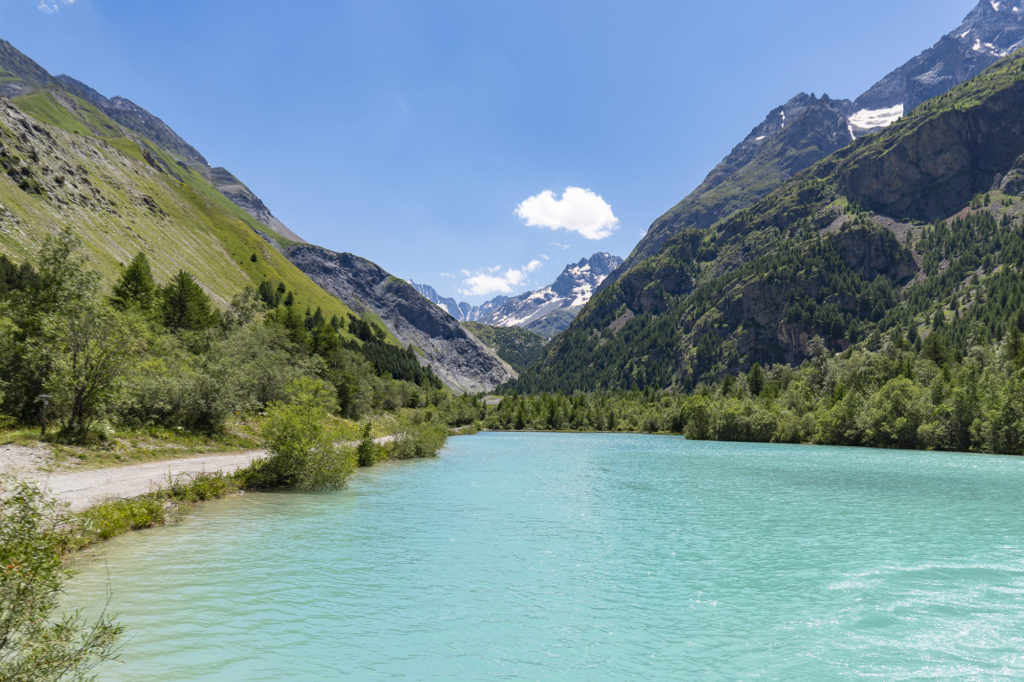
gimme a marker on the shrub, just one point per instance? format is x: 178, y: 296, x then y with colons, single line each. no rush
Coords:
x: 34, y: 533
x: 420, y: 440
x: 304, y: 451
x: 367, y: 452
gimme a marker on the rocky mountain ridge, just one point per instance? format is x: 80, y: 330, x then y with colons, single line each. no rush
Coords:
x: 806, y: 129
x: 911, y: 232
x: 458, y: 358
x: 22, y: 76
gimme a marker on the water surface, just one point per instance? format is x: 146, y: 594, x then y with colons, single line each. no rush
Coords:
x: 589, y: 557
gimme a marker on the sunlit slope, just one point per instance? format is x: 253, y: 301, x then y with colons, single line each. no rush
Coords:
x: 63, y: 163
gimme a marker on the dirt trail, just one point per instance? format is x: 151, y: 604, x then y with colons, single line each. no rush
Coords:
x: 83, y: 489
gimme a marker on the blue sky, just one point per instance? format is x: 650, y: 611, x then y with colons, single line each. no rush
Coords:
x: 411, y: 132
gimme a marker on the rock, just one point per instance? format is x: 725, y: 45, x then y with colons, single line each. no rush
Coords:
x: 459, y: 359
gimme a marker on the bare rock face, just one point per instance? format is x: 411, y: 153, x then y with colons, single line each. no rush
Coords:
x: 244, y: 198
x: 951, y: 156
x: 458, y: 358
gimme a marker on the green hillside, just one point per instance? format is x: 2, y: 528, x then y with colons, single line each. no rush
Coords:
x: 66, y: 164
x: 517, y: 346
x: 916, y: 229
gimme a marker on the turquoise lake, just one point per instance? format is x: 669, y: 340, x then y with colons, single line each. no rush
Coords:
x: 549, y: 556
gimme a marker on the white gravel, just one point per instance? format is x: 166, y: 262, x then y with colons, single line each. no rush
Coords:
x: 83, y: 489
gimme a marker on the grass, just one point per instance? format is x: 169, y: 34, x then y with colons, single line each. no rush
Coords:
x: 157, y: 508
x: 45, y: 109
x: 107, y: 198
x: 133, y: 446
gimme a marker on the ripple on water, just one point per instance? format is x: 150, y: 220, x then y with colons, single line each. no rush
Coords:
x: 589, y: 557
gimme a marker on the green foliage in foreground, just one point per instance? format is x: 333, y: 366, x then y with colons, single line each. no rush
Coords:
x: 151, y: 356
x: 895, y: 396
x: 34, y: 645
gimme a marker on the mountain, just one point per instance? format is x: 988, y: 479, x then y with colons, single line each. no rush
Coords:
x: 460, y: 360
x: 135, y: 118
x: 125, y: 182
x: 546, y: 311
x: 913, y: 233
x: 806, y: 129
x: 519, y: 347
x: 460, y: 310
x: 65, y: 164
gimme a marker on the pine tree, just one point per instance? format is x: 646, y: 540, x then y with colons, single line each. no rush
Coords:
x: 136, y: 286
x: 185, y: 305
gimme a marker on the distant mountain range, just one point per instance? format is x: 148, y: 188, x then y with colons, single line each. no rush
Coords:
x: 806, y: 128
x: 547, y: 311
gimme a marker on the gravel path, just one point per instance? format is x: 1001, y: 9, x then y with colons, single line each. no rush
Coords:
x: 83, y: 489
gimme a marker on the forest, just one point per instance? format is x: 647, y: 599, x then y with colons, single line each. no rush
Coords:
x: 88, y: 361
x: 903, y: 394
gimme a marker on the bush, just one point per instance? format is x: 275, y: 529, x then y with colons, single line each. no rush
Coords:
x: 34, y: 533
x: 420, y: 440
x: 107, y: 520
x: 304, y: 451
x: 367, y: 452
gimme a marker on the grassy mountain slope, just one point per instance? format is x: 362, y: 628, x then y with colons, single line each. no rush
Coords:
x: 844, y: 251
x: 66, y: 164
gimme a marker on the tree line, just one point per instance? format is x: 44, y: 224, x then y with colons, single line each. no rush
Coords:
x: 143, y: 353
x: 905, y: 394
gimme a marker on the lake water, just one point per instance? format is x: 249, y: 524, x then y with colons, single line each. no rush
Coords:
x: 548, y: 556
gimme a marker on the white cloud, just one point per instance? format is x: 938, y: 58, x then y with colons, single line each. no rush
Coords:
x: 579, y: 210
x: 447, y: 275
x: 52, y: 6
x: 492, y: 281
x: 560, y: 245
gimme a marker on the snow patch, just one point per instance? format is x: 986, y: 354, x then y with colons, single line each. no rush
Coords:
x: 759, y: 138
x: 867, y: 120
x: 988, y: 48
x: 995, y: 5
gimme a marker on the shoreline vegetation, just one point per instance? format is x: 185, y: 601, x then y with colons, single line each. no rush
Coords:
x: 110, y: 373
x: 38, y: 534
x: 903, y: 393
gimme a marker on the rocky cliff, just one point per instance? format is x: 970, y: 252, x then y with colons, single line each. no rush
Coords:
x: 901, y: 233
x: 806, y: 129
x: 460, y: 360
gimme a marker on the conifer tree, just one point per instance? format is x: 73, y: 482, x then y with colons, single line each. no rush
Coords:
x: 136, y: 286
x: 185, y: 305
